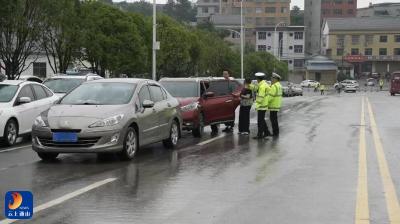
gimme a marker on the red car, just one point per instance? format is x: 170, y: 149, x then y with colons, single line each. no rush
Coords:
x: 395, y: 83
x: 205, y: 101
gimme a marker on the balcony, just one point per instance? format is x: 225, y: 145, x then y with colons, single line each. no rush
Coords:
x: 383, y: 58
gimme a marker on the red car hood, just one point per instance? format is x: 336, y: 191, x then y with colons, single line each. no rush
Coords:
x: 187, y: 101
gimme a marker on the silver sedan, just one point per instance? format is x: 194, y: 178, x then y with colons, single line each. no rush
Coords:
x: 108, y: 116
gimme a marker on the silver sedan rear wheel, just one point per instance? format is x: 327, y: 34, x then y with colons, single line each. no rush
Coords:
x: 11, y: 133
x: 172, y: 141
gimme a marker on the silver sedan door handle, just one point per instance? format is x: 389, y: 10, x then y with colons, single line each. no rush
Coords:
x: 228, y: 101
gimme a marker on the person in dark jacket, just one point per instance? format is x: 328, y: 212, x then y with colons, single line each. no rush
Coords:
x: 246, y: 101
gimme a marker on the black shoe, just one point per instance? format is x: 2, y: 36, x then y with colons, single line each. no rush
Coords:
x: 227, y: 130
x: 266, y: 135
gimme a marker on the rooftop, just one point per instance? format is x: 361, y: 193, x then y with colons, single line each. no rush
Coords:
x: 364, y: 23
x: 282, y: 28
x: 384, y: 4
x: 122, y: 80
x: 224, y: 20
x: 12, y: 82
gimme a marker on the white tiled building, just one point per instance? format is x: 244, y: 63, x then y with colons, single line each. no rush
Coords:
x: 36, y: 65
x: 288, y: 44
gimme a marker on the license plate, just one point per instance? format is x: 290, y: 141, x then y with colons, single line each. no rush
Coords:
x: 65, y: 137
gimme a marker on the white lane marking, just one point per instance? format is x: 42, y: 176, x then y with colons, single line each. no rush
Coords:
x: 16, y: 148
x: 211, y: 140
x: 64, y: 198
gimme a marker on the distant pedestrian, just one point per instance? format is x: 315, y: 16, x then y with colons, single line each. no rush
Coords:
x: 381, y: 84
x: 246, y: 101
x: 316, y: 87
x: 262, y: 88
x: 322, y: 89
x: 275, y: 103
x: 227, y: 76
x: 338, y: 87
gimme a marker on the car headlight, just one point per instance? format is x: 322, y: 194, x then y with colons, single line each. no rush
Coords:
x: 111, y: 121
x: 39, y: 122
x: 190, y: 107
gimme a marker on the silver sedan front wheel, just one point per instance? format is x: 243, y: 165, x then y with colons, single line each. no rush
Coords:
x: 130, y: 145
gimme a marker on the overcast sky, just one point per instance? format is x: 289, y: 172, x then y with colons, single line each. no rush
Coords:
x: 361, y: 3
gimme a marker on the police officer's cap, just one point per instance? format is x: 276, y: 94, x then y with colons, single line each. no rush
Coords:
x: 260, y: 74
x: 276, y: 76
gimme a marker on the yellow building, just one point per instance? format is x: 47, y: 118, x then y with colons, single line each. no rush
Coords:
x: 259, y: 13
x: 368, y: 45
x: 226, y: 14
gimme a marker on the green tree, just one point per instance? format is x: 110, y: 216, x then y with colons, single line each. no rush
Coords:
x: 140, y: 7
x: 216, y: 55
x: 174, y: 57
x: 296, y: 16
x: 19, y: 34
x: 112, y: 40
x: 60, y: 36
x: 264, y: 62
x: 181, y: 10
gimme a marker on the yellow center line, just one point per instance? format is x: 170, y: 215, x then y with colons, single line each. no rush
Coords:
x: 362, y: 207
x: 392, y: 201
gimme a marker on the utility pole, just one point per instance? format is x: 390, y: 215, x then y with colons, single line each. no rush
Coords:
x: 154, y: 64
x: 241, y: 40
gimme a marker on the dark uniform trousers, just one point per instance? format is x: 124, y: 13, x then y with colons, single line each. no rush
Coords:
x: 273, y: 116
x: 261, y: 124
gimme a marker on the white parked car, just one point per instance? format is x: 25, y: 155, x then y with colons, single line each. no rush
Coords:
x: 309, y: 84
x: 20, y: 103
x: 350, y: 88
x: 347, y: 82
x: 62, y: 84
x: 31, y: 79
x: 370, y: 82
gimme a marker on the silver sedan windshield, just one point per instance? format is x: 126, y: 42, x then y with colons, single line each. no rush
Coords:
x: 100, y: 94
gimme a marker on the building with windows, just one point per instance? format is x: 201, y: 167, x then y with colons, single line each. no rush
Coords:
x: 207, y: 8
x: 36, y: 65
x: 368, y: 44
x: 287, y: 44
x: 256, y: 12
x: 380, y: 10
x: 321, y: 69
x: 315, y: 11
x: 225, y: 14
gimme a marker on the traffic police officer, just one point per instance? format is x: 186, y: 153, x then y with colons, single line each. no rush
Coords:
x: 275, y: 103
x: 381, y: 84
x: 262, y: 89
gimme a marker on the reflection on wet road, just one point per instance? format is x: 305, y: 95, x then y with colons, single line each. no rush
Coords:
x: 309, y: 175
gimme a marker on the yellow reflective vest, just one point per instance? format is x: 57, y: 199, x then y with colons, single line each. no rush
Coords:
x: 275, y: 97
x: 262, y: 89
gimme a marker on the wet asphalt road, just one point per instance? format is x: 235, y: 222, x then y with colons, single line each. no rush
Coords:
x: 309, y: 175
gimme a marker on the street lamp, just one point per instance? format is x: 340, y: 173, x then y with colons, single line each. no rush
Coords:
x: 241, y: 40
x: 155, y: 44
x: 241, y: 34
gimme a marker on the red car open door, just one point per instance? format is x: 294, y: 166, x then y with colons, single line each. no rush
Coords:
x: 221, y: 105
